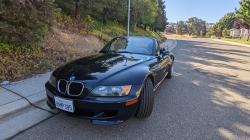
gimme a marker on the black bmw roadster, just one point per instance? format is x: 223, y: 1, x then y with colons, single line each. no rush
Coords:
x: 113, y: 85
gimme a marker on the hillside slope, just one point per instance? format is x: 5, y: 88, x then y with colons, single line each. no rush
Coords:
x: 68, y: 40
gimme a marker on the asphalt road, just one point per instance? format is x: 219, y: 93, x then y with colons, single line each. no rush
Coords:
x: 191, y: 105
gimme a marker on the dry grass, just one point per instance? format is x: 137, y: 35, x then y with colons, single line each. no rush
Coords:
x: 63, y: 43
x: 56, y: 48
x: 175, y: 35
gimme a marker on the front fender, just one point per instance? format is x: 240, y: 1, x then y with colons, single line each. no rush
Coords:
x: 171, y: 56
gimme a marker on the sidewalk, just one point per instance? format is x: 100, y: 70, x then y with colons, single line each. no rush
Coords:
x: 18, y: 95
x: 23, y: 103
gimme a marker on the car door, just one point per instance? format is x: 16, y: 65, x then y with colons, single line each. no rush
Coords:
x: 161, y: 65
x: 165, y: 61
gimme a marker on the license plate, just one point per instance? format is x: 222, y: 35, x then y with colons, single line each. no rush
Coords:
x: 64, y: 104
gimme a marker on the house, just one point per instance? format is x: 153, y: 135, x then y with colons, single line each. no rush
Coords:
x: 171, y: 25
x: 244, y: 33
x: 236, y: 33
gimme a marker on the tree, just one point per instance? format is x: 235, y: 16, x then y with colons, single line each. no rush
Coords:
x: 218, y: 32
x: 201, y: 33
x: 226, y: 22
x: 99, y: 9
x: 181, y: 28
x: 74, y: 6
x: 137, y: 6
x: 144, y: 11
x: 243, y: 13
x: 195, y: 25
x: 24, y: 23
x: 119, y: 11
x: 113, y: 9
x: 210, y: 33
x: 160, y: 20
x: 225, y: 32
x: 237, y: 24
x: 78, y: 15
x: 149, y: 13
x: 210, y: 25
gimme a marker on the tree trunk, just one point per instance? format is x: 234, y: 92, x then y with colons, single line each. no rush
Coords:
x: 145, y: 27
x: 104, y: 16
x: 135, y: 26
x: 136, y: 18
x: 78, y: 15
x: 248, y: 35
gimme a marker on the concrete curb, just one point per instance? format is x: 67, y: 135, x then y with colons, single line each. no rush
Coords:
x: 21, y: 104
x: 172, y: 47
x: 170, y: 44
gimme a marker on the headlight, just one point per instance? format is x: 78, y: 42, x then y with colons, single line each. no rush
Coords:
x: 52, y: 81
x: 111, y: 91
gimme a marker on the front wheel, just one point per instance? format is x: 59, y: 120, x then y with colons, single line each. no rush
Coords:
x: 170, y: 71
x: 146, y: 101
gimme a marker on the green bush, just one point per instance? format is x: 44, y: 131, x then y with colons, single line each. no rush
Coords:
x: 225, y: 32
x: 228, y: 36
x: 24, y: 23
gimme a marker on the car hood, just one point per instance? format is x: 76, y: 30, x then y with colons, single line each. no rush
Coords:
x: 97, y: 67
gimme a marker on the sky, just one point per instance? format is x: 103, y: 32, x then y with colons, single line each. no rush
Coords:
x: 209, y: 10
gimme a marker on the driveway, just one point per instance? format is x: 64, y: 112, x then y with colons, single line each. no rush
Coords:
x: 207, y: 98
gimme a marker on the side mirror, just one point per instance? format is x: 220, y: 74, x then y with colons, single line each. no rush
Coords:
x: 162, y: 49
x: 166, y: 52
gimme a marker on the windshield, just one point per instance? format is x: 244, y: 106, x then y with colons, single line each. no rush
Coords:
x: 130, y: 45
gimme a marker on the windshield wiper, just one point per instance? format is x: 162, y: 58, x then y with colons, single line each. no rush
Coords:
x: 123, y: 52
x: 103, y: 51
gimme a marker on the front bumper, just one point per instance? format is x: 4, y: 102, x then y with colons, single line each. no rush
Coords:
x: 101, y: 110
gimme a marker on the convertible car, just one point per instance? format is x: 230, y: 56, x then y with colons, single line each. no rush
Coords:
x: 113, y: 85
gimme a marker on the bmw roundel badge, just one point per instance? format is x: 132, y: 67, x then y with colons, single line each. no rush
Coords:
x: 72, y: 78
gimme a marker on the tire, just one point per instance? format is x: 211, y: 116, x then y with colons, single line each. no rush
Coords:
x: 146, y: 100
x: 170, y: 71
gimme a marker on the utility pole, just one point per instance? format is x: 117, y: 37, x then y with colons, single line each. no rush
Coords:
x: 128, y: 18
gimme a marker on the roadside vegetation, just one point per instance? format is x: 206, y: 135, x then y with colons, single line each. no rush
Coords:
x: 193, y: 27
x: 243, y: 41
x: 37, y: 36
x: 240, y: 19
